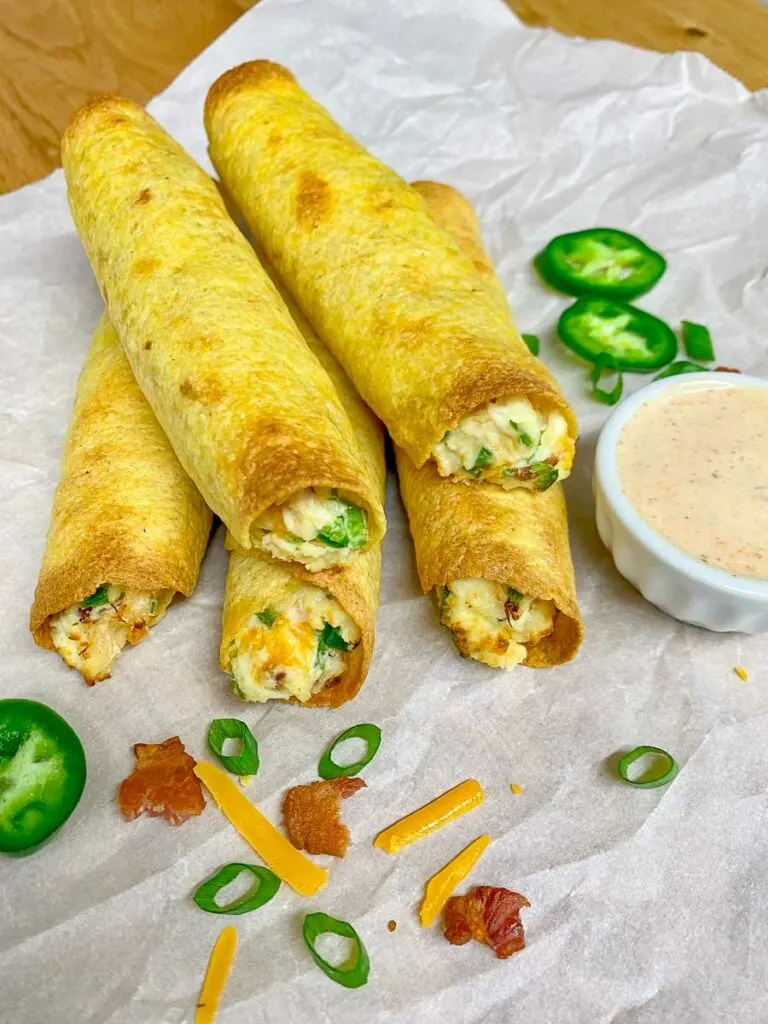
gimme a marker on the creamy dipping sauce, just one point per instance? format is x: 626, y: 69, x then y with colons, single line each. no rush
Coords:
x: 694, y: 463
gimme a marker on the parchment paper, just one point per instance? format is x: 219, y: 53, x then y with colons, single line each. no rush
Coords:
x: 648, y: 906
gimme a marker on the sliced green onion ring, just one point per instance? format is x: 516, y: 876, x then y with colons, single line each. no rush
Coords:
x: 698, y: 342
x: 355, y: 974
x: 265, y: 885
x: 659, y: 774
x: 678, y: 367
x: 605, y: 363
x: 246, y: 762
x: 532, y: 341
x: 369, y: 733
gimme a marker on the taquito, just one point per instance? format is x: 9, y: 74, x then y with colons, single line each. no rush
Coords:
x: 288, y: 634
x: 434, y: 353
x: 499, y: 561
x: 249, y: 410
x: 128, y: 527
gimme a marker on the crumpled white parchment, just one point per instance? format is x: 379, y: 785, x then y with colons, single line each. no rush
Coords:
x: 647, y: 906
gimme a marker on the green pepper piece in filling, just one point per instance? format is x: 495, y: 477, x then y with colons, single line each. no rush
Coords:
x: 514, y: 595
x: 357, y: 523
x: 42, y: 773
x: 525, y: 438
x: 331, y: 639
x: 600, y: 261
x: 637, y: 341
x: 349, y: 529
x: 543, y: 475
x: 267, y: 616
x: 99, y: 596
x: 483, y: 460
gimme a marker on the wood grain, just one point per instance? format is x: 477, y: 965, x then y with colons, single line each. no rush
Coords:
x: 56, y: 54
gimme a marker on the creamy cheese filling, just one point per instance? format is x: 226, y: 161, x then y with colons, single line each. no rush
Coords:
x: 292, y: 649
x: 508, y: 443
x: 493, y: 623
x: 89, y: 636
x: 316, y: 527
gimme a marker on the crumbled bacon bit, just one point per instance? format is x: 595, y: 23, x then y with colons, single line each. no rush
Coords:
x: 726, y: 369
x: 512, y: 611
x: 163, y: 784
x: 490, y: 915
x: 391, y: 925
x: 312, y: 815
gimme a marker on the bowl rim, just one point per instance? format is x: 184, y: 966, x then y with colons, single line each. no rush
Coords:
x: 608, y: 480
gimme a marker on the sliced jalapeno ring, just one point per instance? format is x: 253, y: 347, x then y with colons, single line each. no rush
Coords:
x: 246, y: 761
x: 356, y: 973
x: 662, y: 771
x: 371, y: 734
x: 639, y: 342
x: 265, y: 886
x: 600, y: 261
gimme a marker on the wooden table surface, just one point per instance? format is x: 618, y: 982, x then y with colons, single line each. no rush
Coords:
x: 55, y: 54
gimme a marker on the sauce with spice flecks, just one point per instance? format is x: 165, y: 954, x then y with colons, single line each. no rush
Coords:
x: 694, y: 463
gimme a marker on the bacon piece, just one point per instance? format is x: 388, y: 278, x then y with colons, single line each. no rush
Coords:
x: 490, y: 915
x: 162, y: 784
x: 312, y: 815
x: 726, y: 369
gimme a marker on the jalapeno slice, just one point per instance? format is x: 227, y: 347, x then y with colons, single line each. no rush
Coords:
x: 42, y: 773
x: 600, y: 261
x: 637, y: 341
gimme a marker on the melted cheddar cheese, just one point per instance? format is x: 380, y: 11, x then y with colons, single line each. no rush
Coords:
x: 280, y: 652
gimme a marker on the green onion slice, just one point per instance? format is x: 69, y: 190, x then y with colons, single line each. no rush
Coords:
x: 678, y: 367
x: 371, y: 734
x: 605, y: 363
x: 99, y: 596
x: 351, y: 975
x: 265, y: 886
x: 698, y: 342
x: 532, y: 341
x: 544, y: 475
x: 246, y: 762
x: 267, y: 616
x: 662, y: 771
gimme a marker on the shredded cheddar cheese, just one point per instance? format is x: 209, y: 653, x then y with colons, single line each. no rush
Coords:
x: 742, y: 673
x: 432, y: 816
x: 517, y: 790
x: 275, y: 850
x: 441, y: 886
x: 219, y: 966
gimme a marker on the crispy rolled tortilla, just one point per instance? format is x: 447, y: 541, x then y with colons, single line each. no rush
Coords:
x: 499, y: 560
x: 433, y: 352
x: 288, y: 634
x: 128, y: 527
x: 249, y: 410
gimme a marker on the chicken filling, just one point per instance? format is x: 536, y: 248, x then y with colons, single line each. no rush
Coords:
x: 316, y: 527
x: 508, y: 443
x: 293, y: 649
x: 493, y: 623
x: 90, y: 635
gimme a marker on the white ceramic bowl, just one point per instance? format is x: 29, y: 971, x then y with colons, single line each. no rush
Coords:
x: 665, y: 575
